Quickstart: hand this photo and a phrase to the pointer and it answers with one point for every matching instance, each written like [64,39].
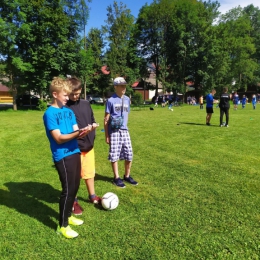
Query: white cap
[119,81]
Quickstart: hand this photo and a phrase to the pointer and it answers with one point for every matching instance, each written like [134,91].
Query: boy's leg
[114,151]
[88,174]
[128,165]
[227,115]
[115,169]
[116,141]
[69,172]
[221,117]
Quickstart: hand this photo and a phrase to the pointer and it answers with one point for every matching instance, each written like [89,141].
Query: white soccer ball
[110,201]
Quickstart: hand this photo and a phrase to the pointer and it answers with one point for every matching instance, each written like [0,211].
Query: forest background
[184,40]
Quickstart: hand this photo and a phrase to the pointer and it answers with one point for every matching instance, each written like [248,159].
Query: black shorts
[209,110]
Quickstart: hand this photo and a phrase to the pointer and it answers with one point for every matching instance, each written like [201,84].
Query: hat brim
[120,84]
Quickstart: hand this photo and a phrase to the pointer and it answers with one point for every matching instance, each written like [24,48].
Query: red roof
[104,70]
[189,83]
[135,84]
[3,88]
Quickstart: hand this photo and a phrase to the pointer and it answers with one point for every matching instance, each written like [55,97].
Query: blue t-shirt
[209,100]
[254,100]
[114,105]
[64,120]
[244,100]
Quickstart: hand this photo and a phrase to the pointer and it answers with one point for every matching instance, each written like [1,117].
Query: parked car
[95,99]
[27,100]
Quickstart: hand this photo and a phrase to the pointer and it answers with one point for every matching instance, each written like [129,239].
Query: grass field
[198,195]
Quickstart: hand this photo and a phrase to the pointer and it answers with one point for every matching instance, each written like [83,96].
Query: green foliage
[186,40]
[198,194]
[99,81]
[137,98]
[120,24]
[42,106]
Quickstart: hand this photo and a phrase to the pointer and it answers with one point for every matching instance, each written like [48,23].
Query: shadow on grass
[28,198]
[191,123]
[99,177]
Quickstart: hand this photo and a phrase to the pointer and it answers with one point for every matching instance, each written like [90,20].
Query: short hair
[225,89]
[75,83]
[58,84]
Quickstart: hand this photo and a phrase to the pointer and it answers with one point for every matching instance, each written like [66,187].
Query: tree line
[184,40]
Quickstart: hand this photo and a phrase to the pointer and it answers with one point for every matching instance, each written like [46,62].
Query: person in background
[235,100]
[201,102]
[254,101]
[209,106]
[224,106]
[244,101]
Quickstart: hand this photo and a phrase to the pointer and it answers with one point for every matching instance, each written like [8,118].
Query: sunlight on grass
[198,195]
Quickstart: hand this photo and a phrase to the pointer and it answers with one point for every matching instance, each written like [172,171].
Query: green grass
[198,195]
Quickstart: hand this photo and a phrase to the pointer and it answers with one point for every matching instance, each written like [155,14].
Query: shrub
[42,106]
[137,98]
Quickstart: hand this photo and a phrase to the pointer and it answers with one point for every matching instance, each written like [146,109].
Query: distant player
[235,100]
[209,105]
[254,101]
[224,106]
[244,101]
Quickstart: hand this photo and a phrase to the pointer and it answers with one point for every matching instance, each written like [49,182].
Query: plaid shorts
[120,146]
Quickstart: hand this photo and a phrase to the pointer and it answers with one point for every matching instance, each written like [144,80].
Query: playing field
[198,195]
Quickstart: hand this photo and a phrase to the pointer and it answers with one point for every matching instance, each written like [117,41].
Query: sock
[92,196]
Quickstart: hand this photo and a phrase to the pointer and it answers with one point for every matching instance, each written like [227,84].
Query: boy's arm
[106,120]
[63,138]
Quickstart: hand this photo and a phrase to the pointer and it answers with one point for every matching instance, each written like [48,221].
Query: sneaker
[130,180]
[77,209]
[220,125]
[66,232]
[119,183]
[75,221]
[95,200]
[226,126]
[207,123]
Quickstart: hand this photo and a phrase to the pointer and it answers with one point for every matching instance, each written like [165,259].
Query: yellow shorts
[88,164]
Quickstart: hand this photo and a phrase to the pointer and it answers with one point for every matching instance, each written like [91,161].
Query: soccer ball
[110,201]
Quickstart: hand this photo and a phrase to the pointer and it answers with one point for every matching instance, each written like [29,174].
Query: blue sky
[98,8]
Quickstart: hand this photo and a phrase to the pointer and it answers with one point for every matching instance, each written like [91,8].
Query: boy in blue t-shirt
[209,105]
[120,147]
[62,131]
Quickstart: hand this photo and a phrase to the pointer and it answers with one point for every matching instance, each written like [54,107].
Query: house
[5,94]
[142,86]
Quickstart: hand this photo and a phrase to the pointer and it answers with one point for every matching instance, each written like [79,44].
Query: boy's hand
[95,125]
[84,131]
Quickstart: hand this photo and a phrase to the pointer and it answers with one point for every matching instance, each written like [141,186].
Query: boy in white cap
[116,132]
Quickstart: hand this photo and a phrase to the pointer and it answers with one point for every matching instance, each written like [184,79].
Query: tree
[40,41]
[236,35]
[100,80]
[120,23]
[254,15]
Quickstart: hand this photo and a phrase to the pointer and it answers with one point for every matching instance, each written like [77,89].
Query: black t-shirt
[224,100]
[84,116]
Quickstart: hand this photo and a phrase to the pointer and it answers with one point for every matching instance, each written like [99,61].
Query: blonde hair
[58,84]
